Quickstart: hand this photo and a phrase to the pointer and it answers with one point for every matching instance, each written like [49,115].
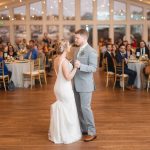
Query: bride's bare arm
[68,74]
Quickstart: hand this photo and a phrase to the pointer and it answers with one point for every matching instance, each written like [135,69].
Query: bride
[64,122]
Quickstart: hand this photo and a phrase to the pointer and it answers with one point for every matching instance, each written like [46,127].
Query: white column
[95,38]
[111,30]
[28,32]
[128,23]
[60,19]
[145,26]
[44,16]
[11,30]
[77,9]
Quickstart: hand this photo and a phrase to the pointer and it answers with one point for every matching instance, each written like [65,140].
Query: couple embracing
[71,115]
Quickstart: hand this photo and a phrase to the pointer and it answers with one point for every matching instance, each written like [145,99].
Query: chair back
[2,68]
[105,65]
[119,67]
[36,64]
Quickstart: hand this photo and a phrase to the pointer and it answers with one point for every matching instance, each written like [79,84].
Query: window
[136,12]
[149,35]
[4,33]
[119,33]
[53,31]
[36,32]
[103,10]
[136,32]
[20,32]
[19,13]
[36,11]
[119,10]
[52,9]
[86,9]
[89,28]
[103,32]
[69,32]
[148,14]
[4,15]
[69,9]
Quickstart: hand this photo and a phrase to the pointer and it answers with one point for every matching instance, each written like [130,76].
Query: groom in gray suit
[86,60]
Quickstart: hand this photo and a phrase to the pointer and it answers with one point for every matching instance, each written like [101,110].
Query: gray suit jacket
[83,79]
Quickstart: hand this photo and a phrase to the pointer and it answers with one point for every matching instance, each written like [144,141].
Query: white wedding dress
[64,122]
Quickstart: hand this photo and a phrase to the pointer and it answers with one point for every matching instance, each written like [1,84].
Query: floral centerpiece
[21,53]
[10,59]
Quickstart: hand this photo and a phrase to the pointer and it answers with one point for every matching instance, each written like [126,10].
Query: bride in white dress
[64,122]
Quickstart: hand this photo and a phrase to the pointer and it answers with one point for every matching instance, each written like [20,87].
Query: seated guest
[11,51]
[41,55]
[125,43]
[109,55]
[1,47]
[142,50]
[6,72]
[33,52]
[114,49]
[5,52]
[121,55]
[128,51]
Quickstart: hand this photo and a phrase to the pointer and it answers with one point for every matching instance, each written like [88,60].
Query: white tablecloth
[17,68]
[140,78]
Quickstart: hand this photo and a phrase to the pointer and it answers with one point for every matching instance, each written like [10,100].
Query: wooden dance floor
[122,119]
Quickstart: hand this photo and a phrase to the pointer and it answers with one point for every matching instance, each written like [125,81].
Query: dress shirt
[143,51]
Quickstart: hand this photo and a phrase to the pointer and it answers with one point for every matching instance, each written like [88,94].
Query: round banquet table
[138,67]
[18,68]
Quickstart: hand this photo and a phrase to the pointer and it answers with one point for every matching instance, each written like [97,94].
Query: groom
[86,60]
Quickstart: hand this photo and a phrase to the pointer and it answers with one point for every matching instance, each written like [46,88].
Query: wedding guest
[142,50]
[129,51]
[110,56]
[11,51]
[6,72]
[120,56]
[32,53]
[114,49]
[5,52]
[41,55]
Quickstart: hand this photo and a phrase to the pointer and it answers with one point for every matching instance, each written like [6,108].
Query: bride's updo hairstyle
[62,46]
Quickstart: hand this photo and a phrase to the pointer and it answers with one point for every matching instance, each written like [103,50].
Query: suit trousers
[86,118]
[132,75]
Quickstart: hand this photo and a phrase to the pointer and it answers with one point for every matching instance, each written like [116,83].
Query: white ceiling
[4,3]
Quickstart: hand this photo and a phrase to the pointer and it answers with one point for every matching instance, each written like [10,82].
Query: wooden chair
[119,73]
[109,75]
[43,70]
[3,77]
[148,82]
[52,55]
[148,79]
[33,73]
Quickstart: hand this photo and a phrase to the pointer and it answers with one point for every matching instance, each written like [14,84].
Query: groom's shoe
[89,138]
[84,133]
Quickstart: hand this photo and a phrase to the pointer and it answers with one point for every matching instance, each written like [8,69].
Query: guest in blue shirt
[6,72]
[33,52]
